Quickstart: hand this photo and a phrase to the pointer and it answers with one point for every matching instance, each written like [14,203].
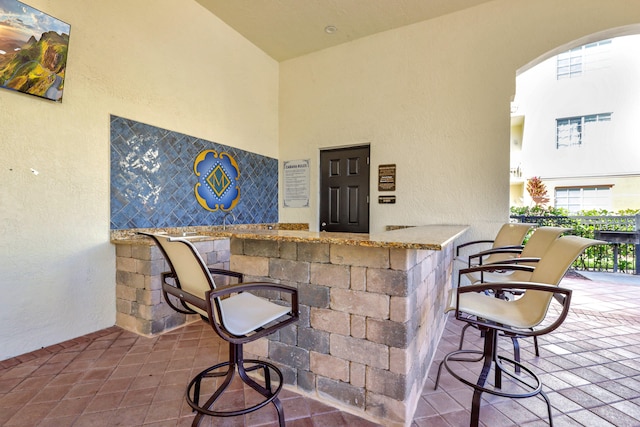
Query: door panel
[334,205]
[344,190]
[352,164]
[353,205]
[334,167]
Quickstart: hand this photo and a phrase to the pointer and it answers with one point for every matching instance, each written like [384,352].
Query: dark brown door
[344,190]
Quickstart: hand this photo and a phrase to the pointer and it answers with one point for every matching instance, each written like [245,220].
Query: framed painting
[33,51]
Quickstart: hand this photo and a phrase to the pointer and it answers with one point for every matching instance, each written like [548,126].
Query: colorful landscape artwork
[33,51]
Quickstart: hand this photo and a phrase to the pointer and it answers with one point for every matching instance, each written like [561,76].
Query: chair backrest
[187,264]
[550,271]
[511,234]
[540,241]
[536,247]
[508,235]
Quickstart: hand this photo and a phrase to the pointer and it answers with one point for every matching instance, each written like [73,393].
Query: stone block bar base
[371,319]
[372,306]
[140,307]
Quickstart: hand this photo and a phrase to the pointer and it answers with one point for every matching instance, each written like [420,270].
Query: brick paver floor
[590,368]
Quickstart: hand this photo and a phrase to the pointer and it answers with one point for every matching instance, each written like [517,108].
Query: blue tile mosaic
[152,180]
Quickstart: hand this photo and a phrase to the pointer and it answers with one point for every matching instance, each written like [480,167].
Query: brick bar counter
[372,312]
[372,308]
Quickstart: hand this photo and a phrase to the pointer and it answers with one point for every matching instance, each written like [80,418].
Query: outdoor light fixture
[330,29]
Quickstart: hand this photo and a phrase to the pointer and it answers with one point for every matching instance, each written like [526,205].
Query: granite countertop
[431,237]
[130,236]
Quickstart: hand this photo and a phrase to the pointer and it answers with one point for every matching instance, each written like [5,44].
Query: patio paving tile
[590,368]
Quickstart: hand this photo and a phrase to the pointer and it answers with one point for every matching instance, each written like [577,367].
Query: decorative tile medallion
[217,186]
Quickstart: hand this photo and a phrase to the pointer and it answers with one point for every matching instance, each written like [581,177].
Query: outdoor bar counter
[372,306]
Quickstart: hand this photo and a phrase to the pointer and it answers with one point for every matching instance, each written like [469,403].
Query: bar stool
[235,314]
[525,316]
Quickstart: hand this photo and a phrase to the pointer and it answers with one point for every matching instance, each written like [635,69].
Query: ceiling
[285,29]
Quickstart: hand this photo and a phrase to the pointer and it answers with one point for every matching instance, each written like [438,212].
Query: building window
[576,199]
[579,60]
[574,131]
[570,63]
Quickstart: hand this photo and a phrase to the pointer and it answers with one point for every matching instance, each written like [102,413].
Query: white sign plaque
[296,183]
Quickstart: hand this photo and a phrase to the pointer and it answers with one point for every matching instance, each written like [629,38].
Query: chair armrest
[473,242]
[183,296]
[217,322]
[516,260]
[212,295]
[493,267]
[185,309]
[563,295]
[250,286]
[222,272]
[514,249]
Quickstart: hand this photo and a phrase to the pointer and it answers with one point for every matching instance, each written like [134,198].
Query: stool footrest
[491,361]
[193,392]
[535,387]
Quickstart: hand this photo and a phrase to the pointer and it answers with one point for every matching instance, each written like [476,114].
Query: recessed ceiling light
[330,29]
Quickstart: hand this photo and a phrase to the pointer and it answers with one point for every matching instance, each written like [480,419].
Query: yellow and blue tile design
[217,187]
[154,180]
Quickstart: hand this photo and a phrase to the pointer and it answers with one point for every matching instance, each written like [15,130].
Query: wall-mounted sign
[387,178]
[217,187]
[296,183]
[387,200]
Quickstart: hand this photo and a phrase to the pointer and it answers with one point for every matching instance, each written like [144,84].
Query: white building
[575,125]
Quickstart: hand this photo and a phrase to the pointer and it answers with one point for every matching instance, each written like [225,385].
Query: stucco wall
[155,61]
[433,98]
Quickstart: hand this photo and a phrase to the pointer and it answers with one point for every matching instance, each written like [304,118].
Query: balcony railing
[620,255]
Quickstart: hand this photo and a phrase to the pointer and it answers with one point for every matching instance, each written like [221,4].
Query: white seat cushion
[244,313]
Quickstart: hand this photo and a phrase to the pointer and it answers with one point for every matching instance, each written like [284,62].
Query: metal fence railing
[621,232]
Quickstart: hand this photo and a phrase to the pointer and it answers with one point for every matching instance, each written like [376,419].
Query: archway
[573,121]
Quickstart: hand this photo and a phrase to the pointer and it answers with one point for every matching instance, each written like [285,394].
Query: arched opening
[573,124]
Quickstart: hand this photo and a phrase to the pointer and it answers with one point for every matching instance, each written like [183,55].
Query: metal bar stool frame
[490,357]
[215,306]
[524,316]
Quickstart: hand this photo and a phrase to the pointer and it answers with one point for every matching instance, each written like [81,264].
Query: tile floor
[590,368]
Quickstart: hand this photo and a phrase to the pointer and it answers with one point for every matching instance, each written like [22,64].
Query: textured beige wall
[166,63]
[433,98]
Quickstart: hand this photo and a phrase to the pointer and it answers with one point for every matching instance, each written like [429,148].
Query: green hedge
[596,258]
